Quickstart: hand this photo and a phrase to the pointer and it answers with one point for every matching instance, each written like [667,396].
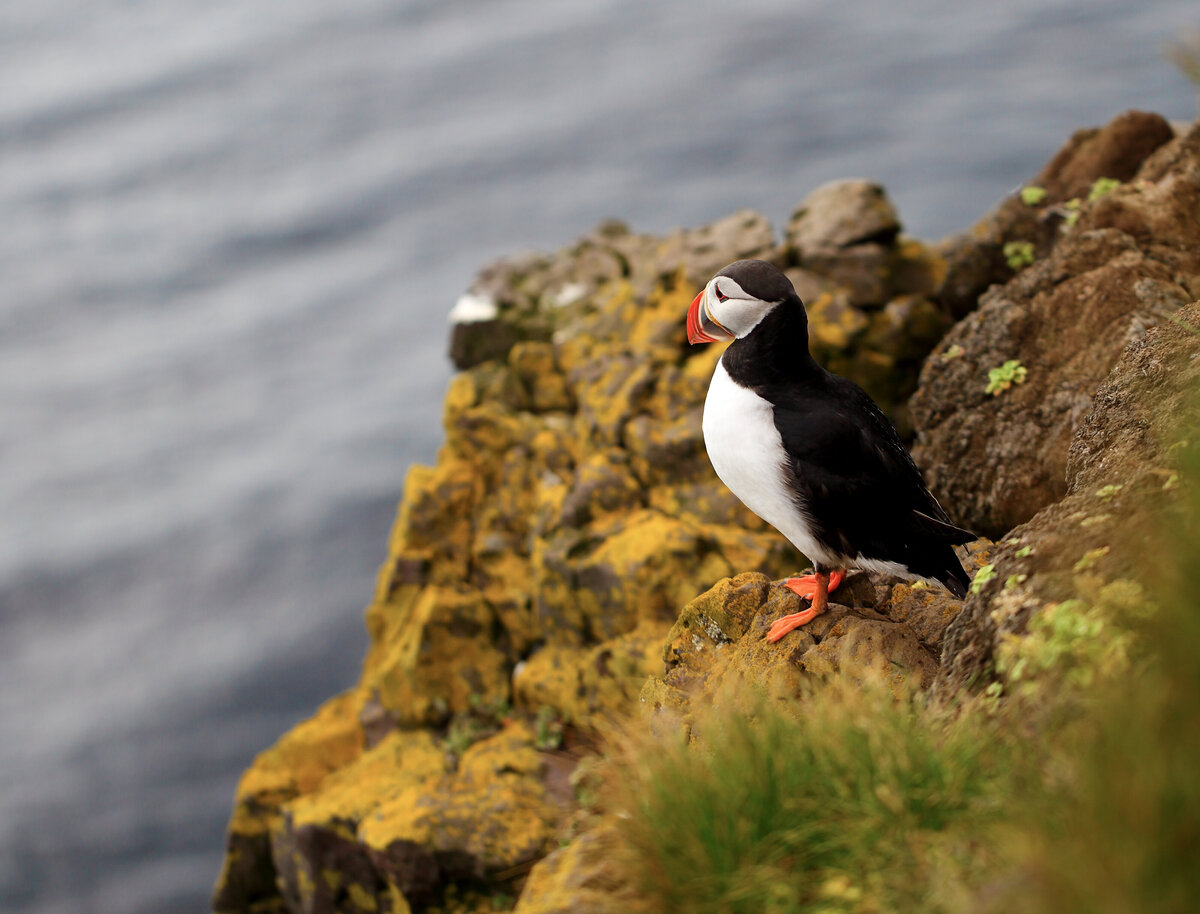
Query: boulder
[1006,391]
[296,766]
[873,623]
[842,214]
[1087,546]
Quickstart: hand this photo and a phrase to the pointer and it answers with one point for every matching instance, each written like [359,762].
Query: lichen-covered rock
[1001,400]
[294,767]
[580,878]
[441,658]
[872,623]
[699,253]
[392,828]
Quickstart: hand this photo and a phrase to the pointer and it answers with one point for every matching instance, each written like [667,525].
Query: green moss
[548,728]
[1113,824]
[1091,557]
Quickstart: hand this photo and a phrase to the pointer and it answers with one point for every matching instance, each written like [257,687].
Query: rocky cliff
[571,560]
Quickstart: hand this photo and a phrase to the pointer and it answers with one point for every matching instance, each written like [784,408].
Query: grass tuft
[849,801]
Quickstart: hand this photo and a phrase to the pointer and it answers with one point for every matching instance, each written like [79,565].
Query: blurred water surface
[231,233]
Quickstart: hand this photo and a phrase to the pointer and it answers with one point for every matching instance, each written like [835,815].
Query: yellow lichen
[403,760]
[362,899]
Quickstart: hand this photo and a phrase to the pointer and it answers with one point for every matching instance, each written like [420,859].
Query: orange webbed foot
[781,627]
[806,585]
[814,587]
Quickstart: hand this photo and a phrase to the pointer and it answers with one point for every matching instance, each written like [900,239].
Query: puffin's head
[736,300]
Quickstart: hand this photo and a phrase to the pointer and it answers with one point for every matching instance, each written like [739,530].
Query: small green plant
[982,576]
[1072,207]
[1023,552]
[1101,187]
[1015,580]
[548,728]
[463,731]
[481,720]
[1002,378]
[1018,254]
[1108,491]
[952,353]
[1090,558]
[1032,195]
[1061,642]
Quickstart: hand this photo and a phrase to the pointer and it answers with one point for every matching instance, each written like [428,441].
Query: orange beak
[694,331]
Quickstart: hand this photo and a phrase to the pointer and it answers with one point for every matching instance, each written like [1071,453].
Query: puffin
[809,451]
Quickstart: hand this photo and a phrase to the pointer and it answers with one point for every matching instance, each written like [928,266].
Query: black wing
[861,487]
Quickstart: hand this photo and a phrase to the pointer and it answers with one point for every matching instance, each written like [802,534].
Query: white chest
[747,452]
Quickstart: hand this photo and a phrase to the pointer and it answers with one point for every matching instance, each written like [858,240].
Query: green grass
[1074,788]
[855,802]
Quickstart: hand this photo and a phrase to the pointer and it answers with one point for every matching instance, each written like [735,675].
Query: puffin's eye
[721,296]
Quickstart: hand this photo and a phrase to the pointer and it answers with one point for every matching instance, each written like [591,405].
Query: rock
[543,386]
[473,342]
[294,767]
[579,878]
[975,259]
[595,586]
[996,458]
[597,684]
[1142,407]
[699,253]
[1119,476]
[719,639]
[438,657]
[840,214]
[862,270]
[1116,151]
[392,828]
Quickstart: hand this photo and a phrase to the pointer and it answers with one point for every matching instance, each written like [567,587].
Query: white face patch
[734,308]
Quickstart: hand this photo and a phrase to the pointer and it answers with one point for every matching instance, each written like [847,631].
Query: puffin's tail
[950,571]
[943,531]
[955,579]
